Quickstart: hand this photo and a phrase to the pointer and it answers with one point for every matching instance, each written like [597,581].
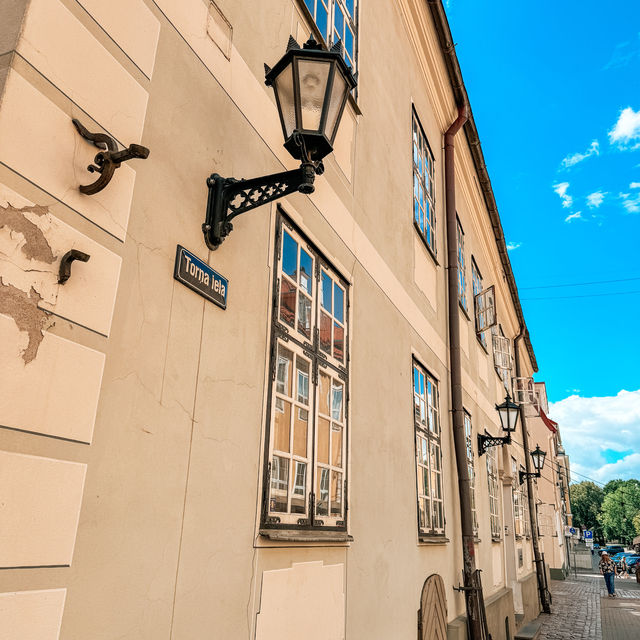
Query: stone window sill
[289,535]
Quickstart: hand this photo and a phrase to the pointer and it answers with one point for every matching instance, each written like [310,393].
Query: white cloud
[594,200]
[591,426]
[574,158]
[561,190]
[629,202]
[626,131]
[512,246]
[574,216]
[634,185]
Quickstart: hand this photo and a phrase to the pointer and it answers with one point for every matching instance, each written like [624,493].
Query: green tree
[636,523]
[620,508]
[586,502]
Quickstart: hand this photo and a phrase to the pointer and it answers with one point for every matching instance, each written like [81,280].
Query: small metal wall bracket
[65,264]
[487,441]
[108,159]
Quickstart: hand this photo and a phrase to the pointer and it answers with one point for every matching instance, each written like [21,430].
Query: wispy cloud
[561,190]
[592,426]
[634,185]
[595,199]
[630,202]
[575,158]
[512,246]
[623,54]
[626,131]
[574,216]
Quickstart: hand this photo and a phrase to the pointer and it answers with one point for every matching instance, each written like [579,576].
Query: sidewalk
[581,610]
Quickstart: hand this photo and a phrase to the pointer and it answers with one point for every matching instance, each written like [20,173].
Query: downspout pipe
[535,543]
[474,622]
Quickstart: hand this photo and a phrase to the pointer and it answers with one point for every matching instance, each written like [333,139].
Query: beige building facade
[283,466]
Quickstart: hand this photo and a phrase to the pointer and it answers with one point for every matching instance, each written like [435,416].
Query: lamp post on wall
[508,412]
[311,86]
[538,456]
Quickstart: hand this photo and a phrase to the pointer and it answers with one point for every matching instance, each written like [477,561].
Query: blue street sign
[588,535]
[199,276]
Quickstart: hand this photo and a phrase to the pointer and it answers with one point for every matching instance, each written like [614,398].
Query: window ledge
[426,539]
[476,540]
[466,313]
[496,539]
[425,243]
[485,348]
[290,535]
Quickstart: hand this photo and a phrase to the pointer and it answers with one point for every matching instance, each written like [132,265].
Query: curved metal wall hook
[65,264]
[109,158]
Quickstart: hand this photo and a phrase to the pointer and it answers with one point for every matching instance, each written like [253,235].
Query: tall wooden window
[428,452]
[468,433]
[424,213]
[494,492]
[462,274]
[306,456]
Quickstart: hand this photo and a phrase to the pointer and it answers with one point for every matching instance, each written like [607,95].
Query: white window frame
[300,372]
[429,475]
[518,507]
[494,493]
[462,274]
[349,25]
[424,194]
[468,434]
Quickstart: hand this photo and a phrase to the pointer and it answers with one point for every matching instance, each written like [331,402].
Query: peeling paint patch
[36,246]
[24,310]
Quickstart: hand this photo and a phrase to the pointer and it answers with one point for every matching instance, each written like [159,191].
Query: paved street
[582,610]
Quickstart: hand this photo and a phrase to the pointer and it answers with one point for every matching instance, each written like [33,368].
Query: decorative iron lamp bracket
[523,475]
[487,441]
[228,197]
[108,159]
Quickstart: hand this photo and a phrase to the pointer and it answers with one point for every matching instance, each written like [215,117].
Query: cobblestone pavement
[578,604]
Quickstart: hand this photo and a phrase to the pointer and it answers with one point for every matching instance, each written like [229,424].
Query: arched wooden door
[432,616]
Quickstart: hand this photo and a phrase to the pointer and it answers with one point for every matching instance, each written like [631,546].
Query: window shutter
[502,352]
[485,303]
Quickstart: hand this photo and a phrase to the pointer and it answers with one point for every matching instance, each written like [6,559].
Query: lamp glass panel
[513,417]
[283,85]
[336,100]
[538,458]
[313,76]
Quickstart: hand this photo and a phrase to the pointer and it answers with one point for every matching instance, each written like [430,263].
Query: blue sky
[555,92]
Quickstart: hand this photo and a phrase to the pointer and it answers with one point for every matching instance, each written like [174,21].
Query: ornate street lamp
[311,86]
[538,456]
[508,412]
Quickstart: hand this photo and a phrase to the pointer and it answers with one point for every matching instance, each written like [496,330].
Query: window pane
[300,426]
[336,493]
[284,368]
[338,20]
[289,256]
[322,493]
[310,5]
[282,426]
[323,393]
[326,292]
[304,316]
[323,440]
[299,491]
[422,503]
[303,380]
[336,402]
[279,484]
[338,342]
[287,302]
[336,446]
[321,20]
[338,301]
[325,332]
[306,272]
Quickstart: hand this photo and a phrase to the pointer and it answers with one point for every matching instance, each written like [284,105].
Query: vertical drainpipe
[475,625]
[542,592]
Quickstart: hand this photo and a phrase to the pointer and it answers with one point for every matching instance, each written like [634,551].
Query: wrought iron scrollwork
[229,197]
[487,441]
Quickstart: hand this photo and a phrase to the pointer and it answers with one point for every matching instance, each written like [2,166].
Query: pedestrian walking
[623,567]
[608,570]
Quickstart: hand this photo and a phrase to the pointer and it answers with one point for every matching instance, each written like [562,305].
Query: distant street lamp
[538,456]
[311,86]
